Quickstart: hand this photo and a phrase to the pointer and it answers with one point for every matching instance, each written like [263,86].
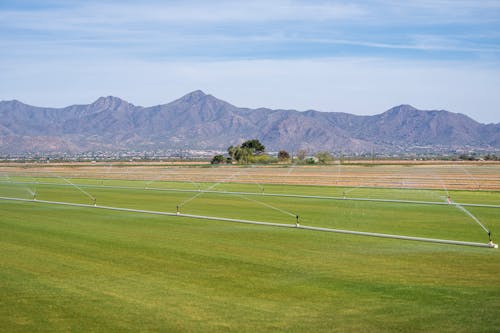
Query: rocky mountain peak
[194,97]
[403,108]
[202,121]
[13,103]
[111,103]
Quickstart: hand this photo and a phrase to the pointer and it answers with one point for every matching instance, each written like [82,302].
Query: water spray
[261,187]
[208,189]
[34,186]
[268,206]
[464,210]
[80,189]
[152,181]
[471,177]
[475,219]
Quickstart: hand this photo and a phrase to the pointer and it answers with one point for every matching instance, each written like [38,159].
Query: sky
[360,57]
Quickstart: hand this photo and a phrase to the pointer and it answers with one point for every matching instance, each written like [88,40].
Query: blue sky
[361,57]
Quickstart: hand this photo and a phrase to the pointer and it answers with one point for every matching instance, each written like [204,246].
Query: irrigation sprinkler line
[353,188]
[153,180]
[402,237]
[464,210]
[209,189]
[267,205]
[439,203]
[249,199]
[263,223]
[6,176]
[81,190]
[33,193]
[22,185]
[261,187]
[475,219]
[195,184]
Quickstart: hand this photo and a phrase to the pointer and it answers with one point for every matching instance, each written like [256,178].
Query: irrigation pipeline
[262,223]
[439,203]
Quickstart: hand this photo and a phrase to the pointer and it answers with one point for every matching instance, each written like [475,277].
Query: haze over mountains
[201,121]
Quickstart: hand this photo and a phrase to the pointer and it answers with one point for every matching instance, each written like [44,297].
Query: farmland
[90,268]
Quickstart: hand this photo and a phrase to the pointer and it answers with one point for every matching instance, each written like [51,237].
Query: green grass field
[86,269]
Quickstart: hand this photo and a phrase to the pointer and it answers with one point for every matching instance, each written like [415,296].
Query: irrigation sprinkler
[209,189]
[236,194]
[195,184]
[78,188]
[259,185]
[152,181]
[269,194]
[8,178]
[34,186]
[475,219]
[267,205]
[270,224]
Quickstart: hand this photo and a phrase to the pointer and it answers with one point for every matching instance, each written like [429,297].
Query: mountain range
[201,121]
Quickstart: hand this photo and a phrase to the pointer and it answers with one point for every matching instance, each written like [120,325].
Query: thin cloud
[356,56]
[147,25]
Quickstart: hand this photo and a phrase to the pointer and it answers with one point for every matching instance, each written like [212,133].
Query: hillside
[201,121]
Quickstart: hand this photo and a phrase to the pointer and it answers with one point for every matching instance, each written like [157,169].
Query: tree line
[253,152]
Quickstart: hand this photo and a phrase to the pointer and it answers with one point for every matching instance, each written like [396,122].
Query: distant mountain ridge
[201,121]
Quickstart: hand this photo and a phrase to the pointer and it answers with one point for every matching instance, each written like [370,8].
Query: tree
[283,156]
[232,151]
[254,145]
[247,152]
[324,157]
[217,159]
[243,155]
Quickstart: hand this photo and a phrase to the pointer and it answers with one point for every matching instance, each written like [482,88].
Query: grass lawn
[85,269]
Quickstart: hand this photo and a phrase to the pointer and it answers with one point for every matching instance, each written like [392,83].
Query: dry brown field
[390,174]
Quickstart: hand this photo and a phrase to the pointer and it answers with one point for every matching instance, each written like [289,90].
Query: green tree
[232,151]
[254,145]
[283,156]
[243,155]
[217,159]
